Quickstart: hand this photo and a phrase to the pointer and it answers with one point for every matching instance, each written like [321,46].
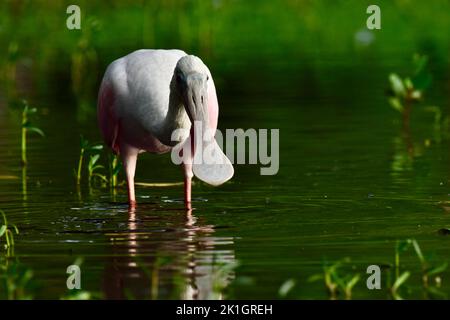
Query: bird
[150,101]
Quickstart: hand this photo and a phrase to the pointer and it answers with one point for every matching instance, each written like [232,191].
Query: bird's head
[210,164]
[192,77]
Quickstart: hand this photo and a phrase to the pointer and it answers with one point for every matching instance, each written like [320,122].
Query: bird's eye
[207,78]
[179,77]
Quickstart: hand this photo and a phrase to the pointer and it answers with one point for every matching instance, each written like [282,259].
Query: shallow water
[348,186]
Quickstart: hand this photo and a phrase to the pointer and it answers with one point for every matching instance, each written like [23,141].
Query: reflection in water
[405,151]
[24,183]
[183,260]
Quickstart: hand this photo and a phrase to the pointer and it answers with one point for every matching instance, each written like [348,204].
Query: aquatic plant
[94,167]
[286,288]
[404,92]
[152,273]
[7,231]
[16,281]
[399,281]
[85,147]
[222,273]
[428,270]
[407,90]
[335,280]
[441,123]
[114,169]
[26,127]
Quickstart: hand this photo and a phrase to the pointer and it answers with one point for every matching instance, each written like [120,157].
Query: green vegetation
[7,232]
[27,127]
[94,168]
[428,270]
[336,281]
[221,32]
[340,279]
[310,68]
[16,280]
[86,147]
[114,169]
[406,91]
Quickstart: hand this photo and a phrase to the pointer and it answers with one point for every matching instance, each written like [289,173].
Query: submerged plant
[7,231]
[85,147]
[26,127]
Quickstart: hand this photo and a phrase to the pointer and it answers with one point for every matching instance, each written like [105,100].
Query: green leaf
[101,176]
[96,147]
[36,130]
[408,84]
[418,251]
[2,230]
[353,281]
[4,217]
[397,85]
[396,104]
[400,280]
[286,287]
[93,160]
[315,277]
[439,269]
[436,293]
[83,142]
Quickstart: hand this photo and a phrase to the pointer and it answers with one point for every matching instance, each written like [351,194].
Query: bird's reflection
[168,254]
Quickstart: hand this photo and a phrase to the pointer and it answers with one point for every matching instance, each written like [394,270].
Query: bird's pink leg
[188,174]
[129,156]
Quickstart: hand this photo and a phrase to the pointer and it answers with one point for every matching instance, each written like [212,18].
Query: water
[348,186]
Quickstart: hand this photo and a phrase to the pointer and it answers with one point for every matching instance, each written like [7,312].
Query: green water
[347,187]
[351,181]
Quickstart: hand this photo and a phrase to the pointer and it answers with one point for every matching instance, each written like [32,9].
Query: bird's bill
[214,167]
[209,164]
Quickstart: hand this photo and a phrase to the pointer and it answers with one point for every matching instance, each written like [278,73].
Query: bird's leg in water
[129,156]
[188,174]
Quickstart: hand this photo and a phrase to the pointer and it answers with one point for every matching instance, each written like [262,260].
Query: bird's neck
[176,117]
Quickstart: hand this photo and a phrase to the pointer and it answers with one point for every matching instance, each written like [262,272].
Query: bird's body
[146,96]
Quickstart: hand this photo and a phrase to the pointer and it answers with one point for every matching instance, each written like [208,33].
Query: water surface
[350,184]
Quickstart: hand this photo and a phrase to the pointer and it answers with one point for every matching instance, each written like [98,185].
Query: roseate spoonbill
[148,94]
